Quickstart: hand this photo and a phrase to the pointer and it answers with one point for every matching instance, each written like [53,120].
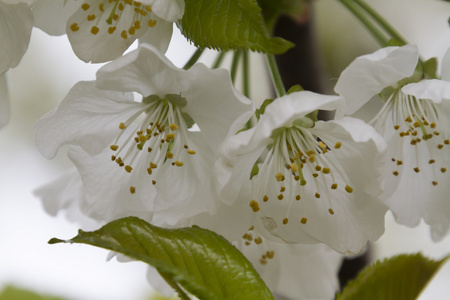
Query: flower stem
[355,10]
[245,74]
[234,65]
[194,58]
[218,60]
[275,74]
[381,21]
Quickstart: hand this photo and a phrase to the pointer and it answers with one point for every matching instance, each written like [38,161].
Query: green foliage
[271,9]
[399,278]
[430,68]
[229,24]
[260,111]
[201,261]
[15,293]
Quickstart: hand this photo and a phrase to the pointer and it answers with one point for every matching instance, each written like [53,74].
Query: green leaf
[229,24]
[260,111]
[402,277]
[430,68]
[201,261]
[14,293]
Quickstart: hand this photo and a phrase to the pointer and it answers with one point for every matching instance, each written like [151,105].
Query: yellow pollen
[338,145]
[85,6]
[153,182]
[317,195]
[297,197]
[149,149]
[279,177]
[178,163]
[395,173]
[265,198]
[443,170]
[416,169]
[132,30]
[149,171]
[334,186]
[440,146]
[170,136]
[433,125]
[399,162]
[114,147]
[113,157]
[191,152]
[90,17]
[74,27]
[280,197]
[315,175]
[263,261]
[318,168]
[137,24]
[124,35]
[142,138]
[431,161]
[132,189]
[254,205]
[151,23]
[148,8]
[326,170]
[173,126]
[122,126]
[408,119]
[446,142]
[282,189]
[101,8]
[153,165]
[331,211]
[312,158]
[348,188]
[115,17]
[169,155]
[396,127]
[285,221]
[294,167]
[121,7]
[322,145]
[111,29]
[258,240]
[304,220]
[128,168]
[435,183]
[270,254]
[416,124]
[297,178]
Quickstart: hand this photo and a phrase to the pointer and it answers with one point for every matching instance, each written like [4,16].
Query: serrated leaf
[229,24]
[201,261]
[399,278]
[15,293]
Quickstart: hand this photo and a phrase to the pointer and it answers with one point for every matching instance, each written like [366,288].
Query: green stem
[218,60]
[377,34]
[181,293]
[234,65]
[193,59]
[382,22]
[275,74]
[245,74]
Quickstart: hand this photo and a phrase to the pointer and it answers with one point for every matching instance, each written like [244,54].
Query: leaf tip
[56,241]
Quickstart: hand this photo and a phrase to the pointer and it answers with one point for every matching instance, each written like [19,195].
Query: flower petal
[16,22]
[4,101]
[169,10]
[87,116]
[445,66]
[435,90]
[51,16]
[369,74]
[159,38]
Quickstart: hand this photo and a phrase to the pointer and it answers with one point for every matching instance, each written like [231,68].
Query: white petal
[295,271]
[445,66]
[435,90]
[107,187]
[369,74]
[169,10]
[145,71]
[51,16]
[4,101]
[159,38]
[87,116]
[16,22]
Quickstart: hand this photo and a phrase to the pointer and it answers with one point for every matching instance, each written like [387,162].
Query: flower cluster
[180,147]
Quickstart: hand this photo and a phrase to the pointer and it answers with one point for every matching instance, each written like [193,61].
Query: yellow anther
[304,220]
[74,27]
[282,189]
[263,261]
[170,136]
[169,155]
[115,17]
[270,254]
[312,157]
[399,162]
[178,163]
[191,151]
[111,29]
[443,170]
[334,186]
[101,7]
[132,189]
[338,145]
[435,183]
[331,211]
[137,3]
[124,35]
[416,124]
[279,177]
[395,173]
[148,8]
[317,195]
[280,197]
[298,197]
[149,171]
[297,178]
[254,205]
[132,30]
[153,165]
[326,170]
[114,147]
[431,161]
[142,138]
[128,2]
[396,127]
[122,126]
[416,169]
[137,24]
[315,175]
[128,168]
[285,221]
[440,146]
[120,7]
[318,168]
[348,189]
[153,182]
[265,198]
[85,6]
[322,145]
[433,125]
[408,119]
[446,142]
[294,167]
[258,240]
[151,23]
[113,157]
[90,17]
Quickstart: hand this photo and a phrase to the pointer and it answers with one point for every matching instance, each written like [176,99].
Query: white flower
[414,121]
[293,271]
[16,22]
[318,181]
[101,30]
[149,142]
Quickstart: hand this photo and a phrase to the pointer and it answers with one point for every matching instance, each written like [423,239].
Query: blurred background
[47,72]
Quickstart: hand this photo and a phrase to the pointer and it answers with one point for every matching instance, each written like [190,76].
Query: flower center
[417,126]
[126,15]
[298,166]
[161,134]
